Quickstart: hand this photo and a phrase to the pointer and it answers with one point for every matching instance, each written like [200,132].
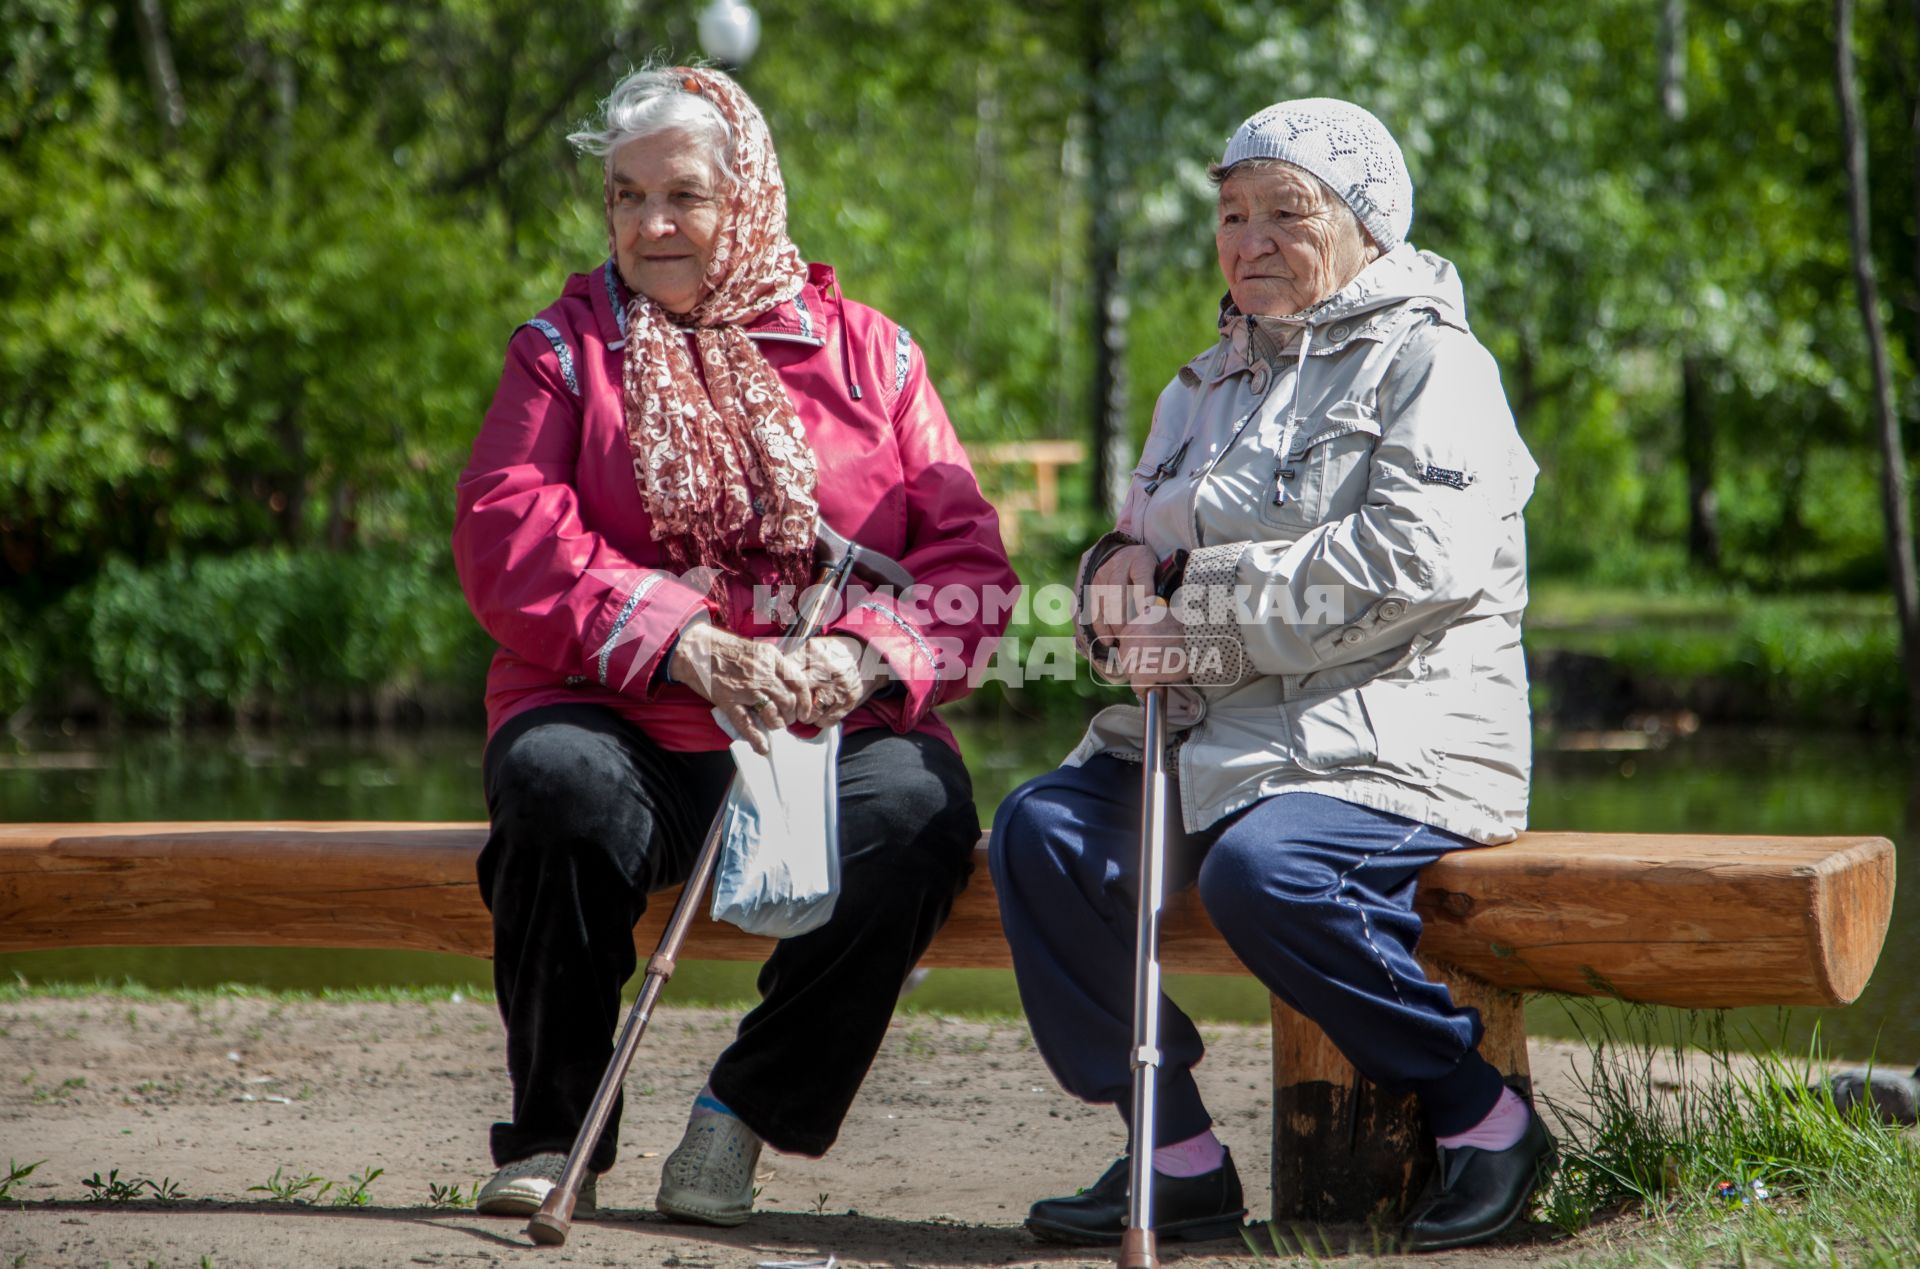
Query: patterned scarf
[708,456]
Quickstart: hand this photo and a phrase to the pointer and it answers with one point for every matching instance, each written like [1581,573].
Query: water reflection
[1745,782]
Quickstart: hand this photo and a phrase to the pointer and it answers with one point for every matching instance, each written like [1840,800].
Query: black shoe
[1474,1193]
[1184,1208]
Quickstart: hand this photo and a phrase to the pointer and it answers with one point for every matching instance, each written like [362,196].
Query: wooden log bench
[1693,921]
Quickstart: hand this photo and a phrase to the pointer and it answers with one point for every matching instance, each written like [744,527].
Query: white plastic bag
[779,869]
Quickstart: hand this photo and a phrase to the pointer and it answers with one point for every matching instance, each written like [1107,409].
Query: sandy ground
[958,1129]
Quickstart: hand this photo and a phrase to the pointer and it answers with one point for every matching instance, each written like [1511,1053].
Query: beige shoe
[520,1187]
[708,1178]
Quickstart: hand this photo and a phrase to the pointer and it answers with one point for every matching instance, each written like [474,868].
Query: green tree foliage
[270,332]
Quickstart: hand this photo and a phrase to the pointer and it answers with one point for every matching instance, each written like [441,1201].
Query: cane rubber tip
[1137,1250]
[547,1231]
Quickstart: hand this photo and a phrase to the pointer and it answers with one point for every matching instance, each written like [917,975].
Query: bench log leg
[1343,1150]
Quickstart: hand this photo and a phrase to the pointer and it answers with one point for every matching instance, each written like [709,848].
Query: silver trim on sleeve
[613,302]
[647,583]
[901,622]
[902,346]
[560,350]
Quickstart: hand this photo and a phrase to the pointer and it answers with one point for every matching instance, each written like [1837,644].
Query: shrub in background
[274,631]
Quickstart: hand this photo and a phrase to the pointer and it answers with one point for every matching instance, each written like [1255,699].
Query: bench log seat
[1689,920]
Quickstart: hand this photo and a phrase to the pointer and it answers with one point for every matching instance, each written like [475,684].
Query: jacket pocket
[1379,727]
[1331,733]
[1404,715]
[1325,475]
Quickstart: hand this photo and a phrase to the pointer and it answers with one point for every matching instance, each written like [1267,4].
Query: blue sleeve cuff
[662,675]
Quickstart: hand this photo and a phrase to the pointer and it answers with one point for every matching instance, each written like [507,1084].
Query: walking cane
[839,558]
[1138,1249]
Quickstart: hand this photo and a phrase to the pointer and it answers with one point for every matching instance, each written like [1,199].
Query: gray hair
[1219,172]
[654,99]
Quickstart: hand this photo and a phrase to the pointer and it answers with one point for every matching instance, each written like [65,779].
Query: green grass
[16,1173]
[1830,657]
[1566,612]
[1667,1112]
[1562,604]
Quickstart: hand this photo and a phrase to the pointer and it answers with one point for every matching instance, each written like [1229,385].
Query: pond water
[1746,782]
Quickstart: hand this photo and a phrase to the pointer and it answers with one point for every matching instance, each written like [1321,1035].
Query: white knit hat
[1344,146]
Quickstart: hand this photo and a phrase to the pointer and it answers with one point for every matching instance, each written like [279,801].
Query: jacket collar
[801,320]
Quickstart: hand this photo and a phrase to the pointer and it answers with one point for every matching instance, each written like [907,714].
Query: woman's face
[666,214]
[1285,241]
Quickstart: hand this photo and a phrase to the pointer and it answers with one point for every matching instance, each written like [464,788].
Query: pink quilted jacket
[552,544]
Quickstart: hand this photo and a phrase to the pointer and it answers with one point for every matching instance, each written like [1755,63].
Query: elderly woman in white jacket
[1340,479]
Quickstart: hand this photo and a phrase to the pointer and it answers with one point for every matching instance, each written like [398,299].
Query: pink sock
[1196,1156]
[1502,1129]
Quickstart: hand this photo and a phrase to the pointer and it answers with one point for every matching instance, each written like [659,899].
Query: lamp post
[729,32]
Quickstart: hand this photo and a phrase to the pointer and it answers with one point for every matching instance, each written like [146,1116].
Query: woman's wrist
[686,651]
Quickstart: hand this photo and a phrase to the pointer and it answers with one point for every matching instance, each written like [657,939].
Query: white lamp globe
[729,31]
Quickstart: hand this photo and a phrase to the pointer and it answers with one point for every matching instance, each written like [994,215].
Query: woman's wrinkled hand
[832,665]
[1153,649]
[754,686]
[1120,591]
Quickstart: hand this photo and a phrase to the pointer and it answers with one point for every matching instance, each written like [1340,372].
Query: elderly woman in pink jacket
[665,437]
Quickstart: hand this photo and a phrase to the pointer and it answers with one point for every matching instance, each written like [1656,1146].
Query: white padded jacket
[1349,484]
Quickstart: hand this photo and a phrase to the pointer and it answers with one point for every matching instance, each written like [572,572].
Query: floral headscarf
[708,456]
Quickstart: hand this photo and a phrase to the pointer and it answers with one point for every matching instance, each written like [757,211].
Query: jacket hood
[1404,275]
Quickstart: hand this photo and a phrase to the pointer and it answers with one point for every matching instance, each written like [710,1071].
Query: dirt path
[958,1128]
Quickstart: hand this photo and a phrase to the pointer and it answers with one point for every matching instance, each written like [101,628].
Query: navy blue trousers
[1313,894]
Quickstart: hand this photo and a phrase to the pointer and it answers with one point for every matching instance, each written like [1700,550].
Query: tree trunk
[1913,153]
[983,237]
[343,524]
[1789,525]
[1063,293]
[1696,441]
[1673,59]
[286,100]
[1893,464]
[289,501]
[1696,421]
[1107,404]
[1346,1151]
[150,23]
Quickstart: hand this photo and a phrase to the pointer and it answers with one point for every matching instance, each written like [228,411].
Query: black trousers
[589,817]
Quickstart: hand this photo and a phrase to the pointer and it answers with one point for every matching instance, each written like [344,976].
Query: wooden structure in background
[1697,921]
[1046,458]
